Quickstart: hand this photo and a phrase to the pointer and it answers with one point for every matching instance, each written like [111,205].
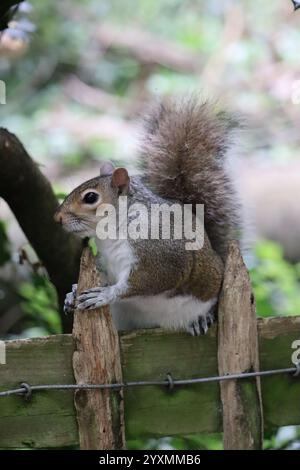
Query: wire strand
[27,389]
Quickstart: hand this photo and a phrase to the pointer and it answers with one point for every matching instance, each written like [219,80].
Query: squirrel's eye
[90,198]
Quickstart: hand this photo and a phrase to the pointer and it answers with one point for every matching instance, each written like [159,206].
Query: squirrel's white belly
[159,310]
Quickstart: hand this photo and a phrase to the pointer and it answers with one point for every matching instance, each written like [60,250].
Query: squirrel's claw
[87,300]
[201,325]
[69,304]
[94,298]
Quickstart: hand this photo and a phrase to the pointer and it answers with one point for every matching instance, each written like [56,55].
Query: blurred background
[78,76]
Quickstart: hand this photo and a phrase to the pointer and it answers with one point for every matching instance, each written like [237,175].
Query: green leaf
[93,247]
[4,244]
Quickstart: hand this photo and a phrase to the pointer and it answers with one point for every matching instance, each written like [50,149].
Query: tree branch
[148,49]
[30,196]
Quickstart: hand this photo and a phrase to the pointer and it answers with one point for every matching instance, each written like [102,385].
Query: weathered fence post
[238,353]
[96,359]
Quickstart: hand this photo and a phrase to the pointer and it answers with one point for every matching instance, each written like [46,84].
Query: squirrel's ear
[120,179]
[106,169]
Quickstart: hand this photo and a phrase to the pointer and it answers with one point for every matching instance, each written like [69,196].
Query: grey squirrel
[158,282]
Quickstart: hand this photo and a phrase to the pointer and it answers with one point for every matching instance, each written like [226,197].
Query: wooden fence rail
[50,418]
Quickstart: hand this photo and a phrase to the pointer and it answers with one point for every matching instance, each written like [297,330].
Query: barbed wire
[26,389]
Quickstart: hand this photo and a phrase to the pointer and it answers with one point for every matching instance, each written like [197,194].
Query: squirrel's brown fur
[184,150]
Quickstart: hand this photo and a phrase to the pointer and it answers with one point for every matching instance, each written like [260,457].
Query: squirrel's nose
[58,217]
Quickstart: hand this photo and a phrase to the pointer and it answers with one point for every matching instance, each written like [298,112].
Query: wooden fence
[95,353]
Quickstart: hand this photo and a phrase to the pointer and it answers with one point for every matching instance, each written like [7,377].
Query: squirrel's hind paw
[200,326]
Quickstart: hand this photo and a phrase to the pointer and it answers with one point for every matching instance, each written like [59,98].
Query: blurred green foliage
[275,281]
[4,244]
[287,438]
[65,44]
[40,304]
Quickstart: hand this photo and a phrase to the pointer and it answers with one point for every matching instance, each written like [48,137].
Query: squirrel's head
[78,212]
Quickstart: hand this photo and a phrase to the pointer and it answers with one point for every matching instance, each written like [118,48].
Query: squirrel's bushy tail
[184,151]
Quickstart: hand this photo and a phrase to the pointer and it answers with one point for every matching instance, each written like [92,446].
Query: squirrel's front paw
[95,298]
[69,304]
[200,326]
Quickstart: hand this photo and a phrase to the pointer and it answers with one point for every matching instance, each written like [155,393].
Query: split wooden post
[238,353]
[96,359]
